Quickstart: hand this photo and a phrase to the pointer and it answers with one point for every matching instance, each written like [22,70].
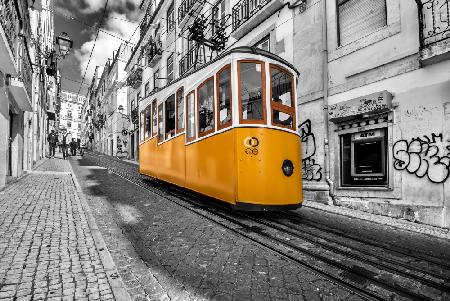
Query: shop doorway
[10,139]
[132,146]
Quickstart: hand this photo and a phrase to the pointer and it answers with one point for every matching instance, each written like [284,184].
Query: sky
[80,19]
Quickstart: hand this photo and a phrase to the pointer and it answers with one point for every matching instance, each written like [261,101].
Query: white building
[71,114]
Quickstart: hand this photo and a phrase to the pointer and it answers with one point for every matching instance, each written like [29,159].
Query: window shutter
[358,18]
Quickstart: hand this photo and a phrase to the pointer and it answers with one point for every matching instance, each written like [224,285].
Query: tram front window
[251,91]
[282,94]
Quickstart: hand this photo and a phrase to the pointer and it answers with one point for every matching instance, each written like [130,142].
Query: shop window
[147,123]
[141,126]
[251,92]
[264,44]
[190,112]
[363,158]
[205,98]
[358,18]
[224,97]
[282,96]
[154,118]
[170,116]
[180,110]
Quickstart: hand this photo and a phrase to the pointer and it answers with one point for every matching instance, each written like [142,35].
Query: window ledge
[370,39]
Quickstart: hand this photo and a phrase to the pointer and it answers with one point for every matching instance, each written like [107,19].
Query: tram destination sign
[370,104]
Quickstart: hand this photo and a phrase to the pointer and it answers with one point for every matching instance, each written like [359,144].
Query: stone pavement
[47,247]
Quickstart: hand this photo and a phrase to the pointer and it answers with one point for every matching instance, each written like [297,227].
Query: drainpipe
[327,164]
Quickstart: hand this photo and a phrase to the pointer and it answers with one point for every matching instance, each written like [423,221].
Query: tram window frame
[221,125]
[141,126]
[276,106]
[169,133]
[161,123]
[193,125]
[212,130]
[179,128]
[154,118]
[147,127]
[263,96]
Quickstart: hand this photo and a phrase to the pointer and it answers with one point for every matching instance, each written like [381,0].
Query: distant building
[70,115]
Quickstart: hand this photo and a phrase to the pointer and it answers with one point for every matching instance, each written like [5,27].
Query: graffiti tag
[310,169]
[423,157]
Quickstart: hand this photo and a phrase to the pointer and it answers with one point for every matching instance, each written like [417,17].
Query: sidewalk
[49,248]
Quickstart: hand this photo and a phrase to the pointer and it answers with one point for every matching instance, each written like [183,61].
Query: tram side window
[190,112]
[141,131]
[161,122]
[282,93]
[224,96]
[154,119]
[251,77]
[147,123]
[170,116]
[180,110]
[205,100]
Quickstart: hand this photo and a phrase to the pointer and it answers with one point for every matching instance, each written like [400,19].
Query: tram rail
[348,263]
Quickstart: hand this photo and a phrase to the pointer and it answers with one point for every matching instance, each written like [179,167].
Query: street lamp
[64,44]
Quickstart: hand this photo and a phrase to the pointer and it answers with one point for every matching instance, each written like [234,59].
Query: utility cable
[95,42]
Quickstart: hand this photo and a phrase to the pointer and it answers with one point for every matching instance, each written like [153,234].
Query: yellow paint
[238,165]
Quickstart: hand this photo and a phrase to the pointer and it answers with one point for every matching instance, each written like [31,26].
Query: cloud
[105,44]
[127,7]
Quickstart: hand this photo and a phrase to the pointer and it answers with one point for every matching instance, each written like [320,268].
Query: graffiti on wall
[424,156]
[310,169]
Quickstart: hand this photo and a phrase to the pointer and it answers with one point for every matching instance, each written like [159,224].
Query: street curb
[114,279]
[382,219]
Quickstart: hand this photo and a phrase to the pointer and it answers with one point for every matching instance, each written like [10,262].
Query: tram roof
[242,49]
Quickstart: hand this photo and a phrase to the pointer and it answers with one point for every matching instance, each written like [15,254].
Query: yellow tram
[228,130]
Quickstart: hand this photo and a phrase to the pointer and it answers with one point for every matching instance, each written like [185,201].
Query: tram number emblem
[251,144]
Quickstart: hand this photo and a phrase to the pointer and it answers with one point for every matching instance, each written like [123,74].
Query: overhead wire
[95,42]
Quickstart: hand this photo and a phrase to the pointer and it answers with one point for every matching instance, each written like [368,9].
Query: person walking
[64,145]
[52,141]
[73,147]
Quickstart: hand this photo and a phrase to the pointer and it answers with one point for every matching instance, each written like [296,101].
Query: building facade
[27,93]
[109,106]
[373,93]
[71,114]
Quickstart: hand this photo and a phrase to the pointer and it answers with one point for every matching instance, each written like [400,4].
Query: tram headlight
[288,168]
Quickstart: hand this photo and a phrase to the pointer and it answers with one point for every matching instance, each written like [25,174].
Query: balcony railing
[153,51]
[185,8]
[435,20]
[9,19]
[135,78]
[190,60]
[245,9]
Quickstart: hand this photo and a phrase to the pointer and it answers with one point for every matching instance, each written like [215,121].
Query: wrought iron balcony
[10,25]
[185,8]
[247,14]
[190,60]
[135,78]
[153,51]
[434,18]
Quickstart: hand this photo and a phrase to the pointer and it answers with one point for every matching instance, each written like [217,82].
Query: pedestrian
[52,141]
[64,145]
[73,147]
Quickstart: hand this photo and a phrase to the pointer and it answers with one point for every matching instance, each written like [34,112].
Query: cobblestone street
[47,248]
